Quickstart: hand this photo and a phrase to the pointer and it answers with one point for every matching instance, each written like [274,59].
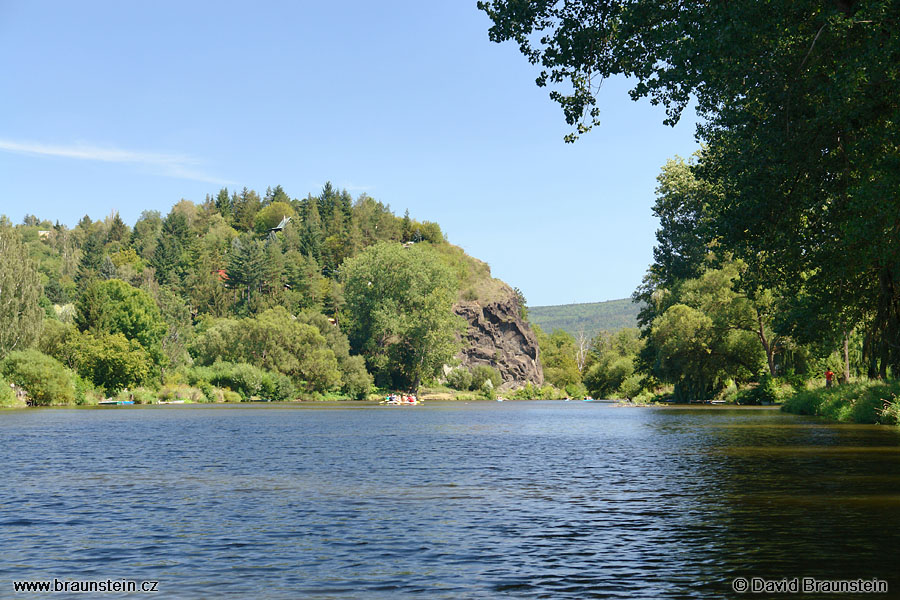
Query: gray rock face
[498,337]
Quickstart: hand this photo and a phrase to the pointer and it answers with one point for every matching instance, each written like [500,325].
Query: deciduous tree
[399,310]
[20,291]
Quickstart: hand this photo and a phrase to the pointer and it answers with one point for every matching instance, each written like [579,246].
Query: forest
[778,254]
[239,297]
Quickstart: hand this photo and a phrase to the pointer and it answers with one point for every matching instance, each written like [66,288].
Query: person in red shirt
[829,375]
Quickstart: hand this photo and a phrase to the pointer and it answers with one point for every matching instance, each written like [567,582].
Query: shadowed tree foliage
[799,102]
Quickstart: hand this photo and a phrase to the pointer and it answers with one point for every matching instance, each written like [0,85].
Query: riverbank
[869,402]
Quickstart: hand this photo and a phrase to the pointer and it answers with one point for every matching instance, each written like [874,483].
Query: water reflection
[445,501]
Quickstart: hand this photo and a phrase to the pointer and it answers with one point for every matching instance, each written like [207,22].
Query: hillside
[244,288]
[591,317]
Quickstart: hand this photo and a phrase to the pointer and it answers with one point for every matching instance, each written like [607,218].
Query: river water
[478,500]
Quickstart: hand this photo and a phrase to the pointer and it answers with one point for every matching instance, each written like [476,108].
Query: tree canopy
[798,103]
[399,304]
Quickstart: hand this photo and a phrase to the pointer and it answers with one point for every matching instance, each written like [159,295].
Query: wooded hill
[590,318]
[260,296]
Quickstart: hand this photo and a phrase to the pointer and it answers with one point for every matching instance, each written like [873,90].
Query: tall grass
[863,402]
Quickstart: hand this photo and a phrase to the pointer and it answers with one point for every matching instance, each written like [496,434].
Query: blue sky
[131,106]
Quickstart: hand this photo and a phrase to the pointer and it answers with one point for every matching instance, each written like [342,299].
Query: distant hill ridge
[591,317]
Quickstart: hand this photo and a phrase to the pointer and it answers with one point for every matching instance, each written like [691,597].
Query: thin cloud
[169,165]
[350,187]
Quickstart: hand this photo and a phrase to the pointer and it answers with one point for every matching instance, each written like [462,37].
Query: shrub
[460,378]
[46,380]
[482,373]
[357,381]
[487,390]
[243,378]
[143,395]
[890,412]
[209,392]
[631,386]
[576,390]
[645,397]
[867,402]
[526,392]
[728,394]
[187,393]
[86,393]
[8,398]
[276,386]
[229,396]
[111,361]
[768,391]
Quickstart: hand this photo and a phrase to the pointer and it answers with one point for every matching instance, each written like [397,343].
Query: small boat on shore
[401,400]
[115,402]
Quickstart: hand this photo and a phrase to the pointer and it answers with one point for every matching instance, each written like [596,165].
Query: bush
[209,392]
[86,393]
[8,397]
[576,390]
[867,402]
[532,392]
[482,373]
[890,413]
[357,381]
[729,394]
[645,397]
[46,380]
[276,386]
[245,379]
[460,378]
[111,361]
[143,395]
[765,392]
[631,386]
[170,393]
[229,396]
[487,390]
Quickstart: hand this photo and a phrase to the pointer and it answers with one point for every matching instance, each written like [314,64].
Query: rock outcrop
[497,336]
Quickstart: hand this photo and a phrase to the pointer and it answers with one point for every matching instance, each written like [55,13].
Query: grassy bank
[864,402]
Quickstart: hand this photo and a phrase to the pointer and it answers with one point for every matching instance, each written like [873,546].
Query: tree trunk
[846,378]
[767,346]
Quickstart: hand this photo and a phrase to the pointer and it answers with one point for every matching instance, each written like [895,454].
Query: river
[453,500]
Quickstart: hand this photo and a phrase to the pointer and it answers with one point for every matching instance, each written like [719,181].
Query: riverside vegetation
[241,297]
[778,255]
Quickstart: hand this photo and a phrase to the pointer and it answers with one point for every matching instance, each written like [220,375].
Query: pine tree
[224,204]
[247,265]
[91,259]
[118,230]
[108,268]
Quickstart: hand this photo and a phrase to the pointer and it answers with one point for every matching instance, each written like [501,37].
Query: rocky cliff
[497,336]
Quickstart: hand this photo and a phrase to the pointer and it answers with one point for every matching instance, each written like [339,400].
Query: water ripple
[521,500]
